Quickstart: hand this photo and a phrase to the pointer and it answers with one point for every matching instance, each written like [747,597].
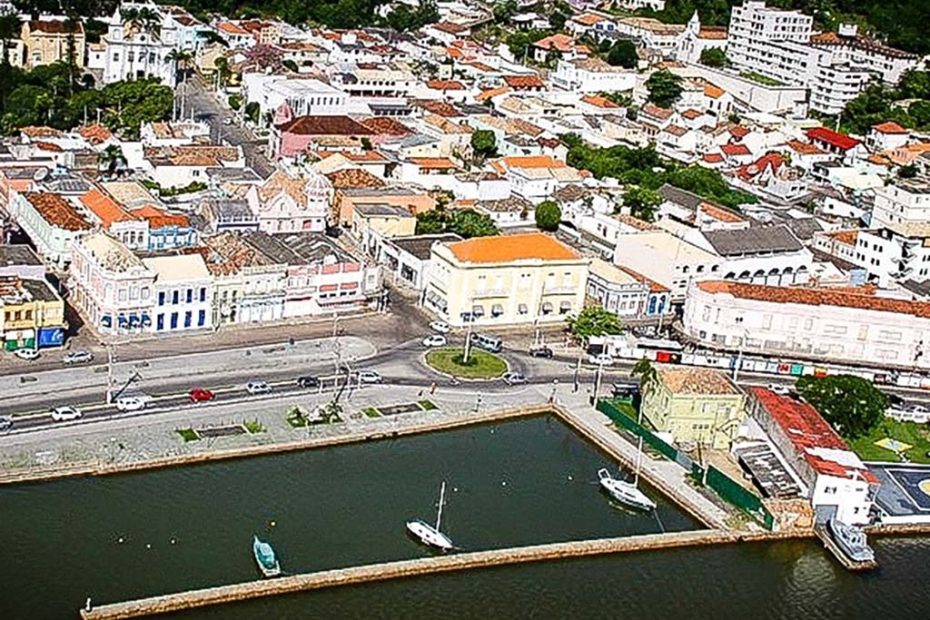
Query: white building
[666,259]
[753,26]
[616,290]
[906,201]
[183,293]
[111,287]
[291,201]
[833,474]
[135,50]
[818,323]
[896,252]
[304,97]
[592,75]
[759,254]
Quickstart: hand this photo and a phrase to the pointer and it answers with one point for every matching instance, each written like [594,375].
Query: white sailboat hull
[624,492]
[429,535]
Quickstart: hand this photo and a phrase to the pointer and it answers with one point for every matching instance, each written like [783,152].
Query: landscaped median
[891,439]
[480,365]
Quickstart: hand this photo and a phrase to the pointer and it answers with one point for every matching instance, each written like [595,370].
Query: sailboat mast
[442,497]
[639,461]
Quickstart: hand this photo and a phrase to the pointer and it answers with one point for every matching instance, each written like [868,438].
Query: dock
[410,568]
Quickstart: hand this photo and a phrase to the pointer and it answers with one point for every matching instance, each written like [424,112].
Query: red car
[199,395]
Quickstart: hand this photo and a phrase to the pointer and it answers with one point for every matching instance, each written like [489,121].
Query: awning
[522,309]
[565,305]
[122,320]
[546,307]
[497,310]
[477,310]
[146,320]
[106,320]
[134,320]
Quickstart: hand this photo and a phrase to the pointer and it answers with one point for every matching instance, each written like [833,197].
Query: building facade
[32,314]
[511,279]
[136,50]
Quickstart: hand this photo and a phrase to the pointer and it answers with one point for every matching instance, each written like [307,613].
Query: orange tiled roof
[651,109]
[713,158]
[508,248]
[848,237]
[445,85]
[491,93]
[720,214]
[41,131]
[600,102]
[589,19]
[712,32]
[816,297]
[48,146]
[714,92]
[231,28]
[354,177]
[386,126]
[523,81]
[735,150]
[890,127]
[692,114]
[105,208]
[804,148]
[433,163]
[159,218]
[530,161]
[95,133]
[57,211]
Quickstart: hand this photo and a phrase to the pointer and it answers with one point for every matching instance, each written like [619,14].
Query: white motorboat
[429,535]
[851,540]
[627,493]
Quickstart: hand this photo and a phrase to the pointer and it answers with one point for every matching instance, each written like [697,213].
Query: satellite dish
[40,175]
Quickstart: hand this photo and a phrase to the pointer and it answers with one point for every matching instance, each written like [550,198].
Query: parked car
[625,390]
[369,376]
[540,350]
[781,390]
[130,403]
[65,414]
[439,326]
[308,382]
[514,378]
[6,423]
[436,340]
[257,387]
[601,358]
[27,354]
[199,395]
[78,357]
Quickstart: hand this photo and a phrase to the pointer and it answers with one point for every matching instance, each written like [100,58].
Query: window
[174,297]
[28,315]
[160,322]
[203,293]
[174,320]
[201,318]
[187,318]
[190,295]
[161,298]
[18,315]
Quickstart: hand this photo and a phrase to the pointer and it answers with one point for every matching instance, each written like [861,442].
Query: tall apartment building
[753,26]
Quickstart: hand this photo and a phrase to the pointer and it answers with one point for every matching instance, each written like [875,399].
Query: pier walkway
[410,568]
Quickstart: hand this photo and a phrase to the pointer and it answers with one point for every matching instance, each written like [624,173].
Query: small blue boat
[265,558]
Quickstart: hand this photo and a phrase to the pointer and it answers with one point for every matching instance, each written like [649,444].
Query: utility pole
[469,318]
[597,380]
[337,349]
[109,396]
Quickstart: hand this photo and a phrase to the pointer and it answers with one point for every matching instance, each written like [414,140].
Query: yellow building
[505,280]
[697,405]
[46,41]
[31,314]
[384,221]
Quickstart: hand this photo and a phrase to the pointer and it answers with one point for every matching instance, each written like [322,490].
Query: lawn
[917,435]
[427,405]
[188,434]
[760,79]
[371,412]
[253,426]
[481,364]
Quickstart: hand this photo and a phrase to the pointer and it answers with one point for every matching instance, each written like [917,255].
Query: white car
[514,378]
[368,376]
[257,387]
[436,340]
[781,390]
[130,403]
[439,326]
[601,359]
[65,414]
[78,357]
[26,354]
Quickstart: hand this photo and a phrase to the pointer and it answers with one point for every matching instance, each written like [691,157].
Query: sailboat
[429,535]
[627,493]
[265,558]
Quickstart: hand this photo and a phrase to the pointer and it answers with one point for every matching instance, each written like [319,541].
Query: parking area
[905,490]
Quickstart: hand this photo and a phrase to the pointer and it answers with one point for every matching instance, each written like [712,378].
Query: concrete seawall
[410,568]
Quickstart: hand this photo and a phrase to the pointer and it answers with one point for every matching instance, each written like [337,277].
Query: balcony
[491,292]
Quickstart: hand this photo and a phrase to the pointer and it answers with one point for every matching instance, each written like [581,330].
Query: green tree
[593,321]
[622,99]
[642,202]
[252,110]
[548,216]
[664,88]
[112,159]
[483,143]
[713,57]
[852,405]
[466,223]
[623,54]
[182,59]
[504,11]
[914,85]
[647,374]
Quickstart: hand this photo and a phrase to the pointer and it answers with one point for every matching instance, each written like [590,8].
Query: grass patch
[481,364]
[917,435]
[371,412]
[188,434]
[296,418]
[759,78]
[253,426]
[427,405]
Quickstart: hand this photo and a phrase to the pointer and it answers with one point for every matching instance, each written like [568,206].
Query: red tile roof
[519,82]
[735,150]
[803,148]
[508,248]
[57,211]
[811,435]
[386,126]
[739,132]
[890,127]
[650,109]
[770,160]
[105,208]
[828,136]
[159,218]
[843,298]
[599,102]
[325,126]
[445,85]
[713,158]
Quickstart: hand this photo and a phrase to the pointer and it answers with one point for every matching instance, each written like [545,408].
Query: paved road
[205,106]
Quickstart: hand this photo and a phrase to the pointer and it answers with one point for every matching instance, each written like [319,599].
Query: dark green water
[519,483]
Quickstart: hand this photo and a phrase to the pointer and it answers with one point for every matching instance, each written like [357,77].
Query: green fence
[734,493]
[728,489]
[617,416]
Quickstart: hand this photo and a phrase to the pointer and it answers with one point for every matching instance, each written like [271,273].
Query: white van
[488,343]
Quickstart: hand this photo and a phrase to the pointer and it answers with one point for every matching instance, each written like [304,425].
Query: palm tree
[112,159]
[182,60]
[647,374]
[145,20]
